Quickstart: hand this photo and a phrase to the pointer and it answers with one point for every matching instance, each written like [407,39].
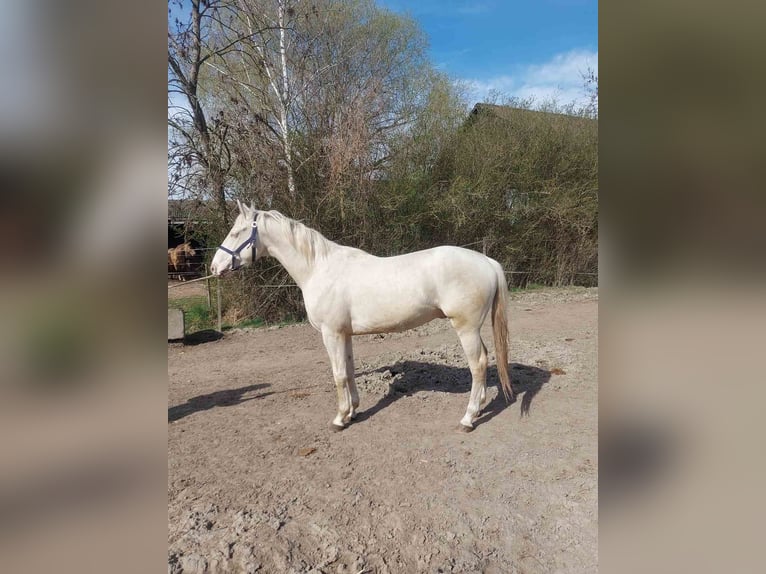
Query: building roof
[511,112]
[182,210]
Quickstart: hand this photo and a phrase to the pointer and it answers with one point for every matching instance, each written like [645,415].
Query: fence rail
[294,285]
[179,275]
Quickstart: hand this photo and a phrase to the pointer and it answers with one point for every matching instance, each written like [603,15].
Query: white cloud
[560,78]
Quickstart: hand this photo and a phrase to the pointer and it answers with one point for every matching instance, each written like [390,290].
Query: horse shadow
[414,376]
[225,398]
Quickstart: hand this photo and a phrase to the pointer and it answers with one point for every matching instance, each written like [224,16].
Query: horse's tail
[500,330]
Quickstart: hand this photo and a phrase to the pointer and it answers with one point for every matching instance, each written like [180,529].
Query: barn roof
[511,112]
[184,210]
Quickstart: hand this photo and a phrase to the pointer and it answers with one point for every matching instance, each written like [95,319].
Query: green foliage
[528,182]
[197,315]
[525,181]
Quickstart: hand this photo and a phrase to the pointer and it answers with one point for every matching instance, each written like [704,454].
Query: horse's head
[242,245]
[189,250]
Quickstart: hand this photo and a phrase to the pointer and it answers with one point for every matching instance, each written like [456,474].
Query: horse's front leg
[341,355]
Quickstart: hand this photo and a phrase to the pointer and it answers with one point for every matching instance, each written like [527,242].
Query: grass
[197,315]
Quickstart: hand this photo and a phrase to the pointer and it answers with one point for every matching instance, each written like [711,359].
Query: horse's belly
[393,320]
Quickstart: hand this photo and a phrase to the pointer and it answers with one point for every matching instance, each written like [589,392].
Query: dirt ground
[257,482]
[179,289]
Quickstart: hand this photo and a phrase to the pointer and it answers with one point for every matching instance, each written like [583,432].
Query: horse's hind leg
[353,392]
[476,353]
[341,355]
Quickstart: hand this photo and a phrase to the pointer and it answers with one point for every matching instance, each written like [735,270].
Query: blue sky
[531,48]
[527,48]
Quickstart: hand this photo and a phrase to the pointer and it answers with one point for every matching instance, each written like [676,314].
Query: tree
[199,143]
[315,103]
[590,79]
[255,71]
[527,181]
[195,142]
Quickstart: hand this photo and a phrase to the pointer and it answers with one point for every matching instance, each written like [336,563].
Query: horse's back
[426,271]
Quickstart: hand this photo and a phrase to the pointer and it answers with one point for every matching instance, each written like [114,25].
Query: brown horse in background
[179,259]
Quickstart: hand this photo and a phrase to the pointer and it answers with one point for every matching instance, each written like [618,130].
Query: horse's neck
[294,262]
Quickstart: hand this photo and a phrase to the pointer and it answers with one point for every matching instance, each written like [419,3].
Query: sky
[527,48]
[531,48]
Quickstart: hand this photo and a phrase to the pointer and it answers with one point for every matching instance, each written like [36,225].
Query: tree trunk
[283,102]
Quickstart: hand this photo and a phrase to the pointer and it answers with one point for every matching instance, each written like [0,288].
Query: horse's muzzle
[219,269]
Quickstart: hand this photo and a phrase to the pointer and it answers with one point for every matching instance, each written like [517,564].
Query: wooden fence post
[209,294]
[218,290]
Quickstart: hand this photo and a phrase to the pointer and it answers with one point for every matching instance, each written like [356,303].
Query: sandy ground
[258,483]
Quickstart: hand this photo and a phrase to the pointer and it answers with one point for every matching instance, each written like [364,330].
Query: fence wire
[195,276]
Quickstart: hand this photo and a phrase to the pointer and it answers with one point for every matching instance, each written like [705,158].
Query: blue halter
[236,258]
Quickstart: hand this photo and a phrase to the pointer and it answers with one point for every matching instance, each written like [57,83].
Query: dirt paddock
[258,483]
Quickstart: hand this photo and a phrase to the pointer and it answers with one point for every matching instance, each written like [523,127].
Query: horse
[347,291]
[179,258]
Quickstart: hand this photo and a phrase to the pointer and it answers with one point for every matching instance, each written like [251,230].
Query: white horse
[350,292]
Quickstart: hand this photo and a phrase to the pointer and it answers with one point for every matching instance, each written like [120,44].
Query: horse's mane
[306,241]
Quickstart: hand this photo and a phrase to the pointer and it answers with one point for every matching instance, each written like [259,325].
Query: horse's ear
[239,205]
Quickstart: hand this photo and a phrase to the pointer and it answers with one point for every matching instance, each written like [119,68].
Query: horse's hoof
[463,428]
[336,428]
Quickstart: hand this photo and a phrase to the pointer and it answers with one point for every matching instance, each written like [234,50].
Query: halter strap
[236,258]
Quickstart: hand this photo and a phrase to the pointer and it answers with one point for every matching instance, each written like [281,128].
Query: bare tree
[260,68]
[590,79]
[199,143]
[199,32]
[326,83]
